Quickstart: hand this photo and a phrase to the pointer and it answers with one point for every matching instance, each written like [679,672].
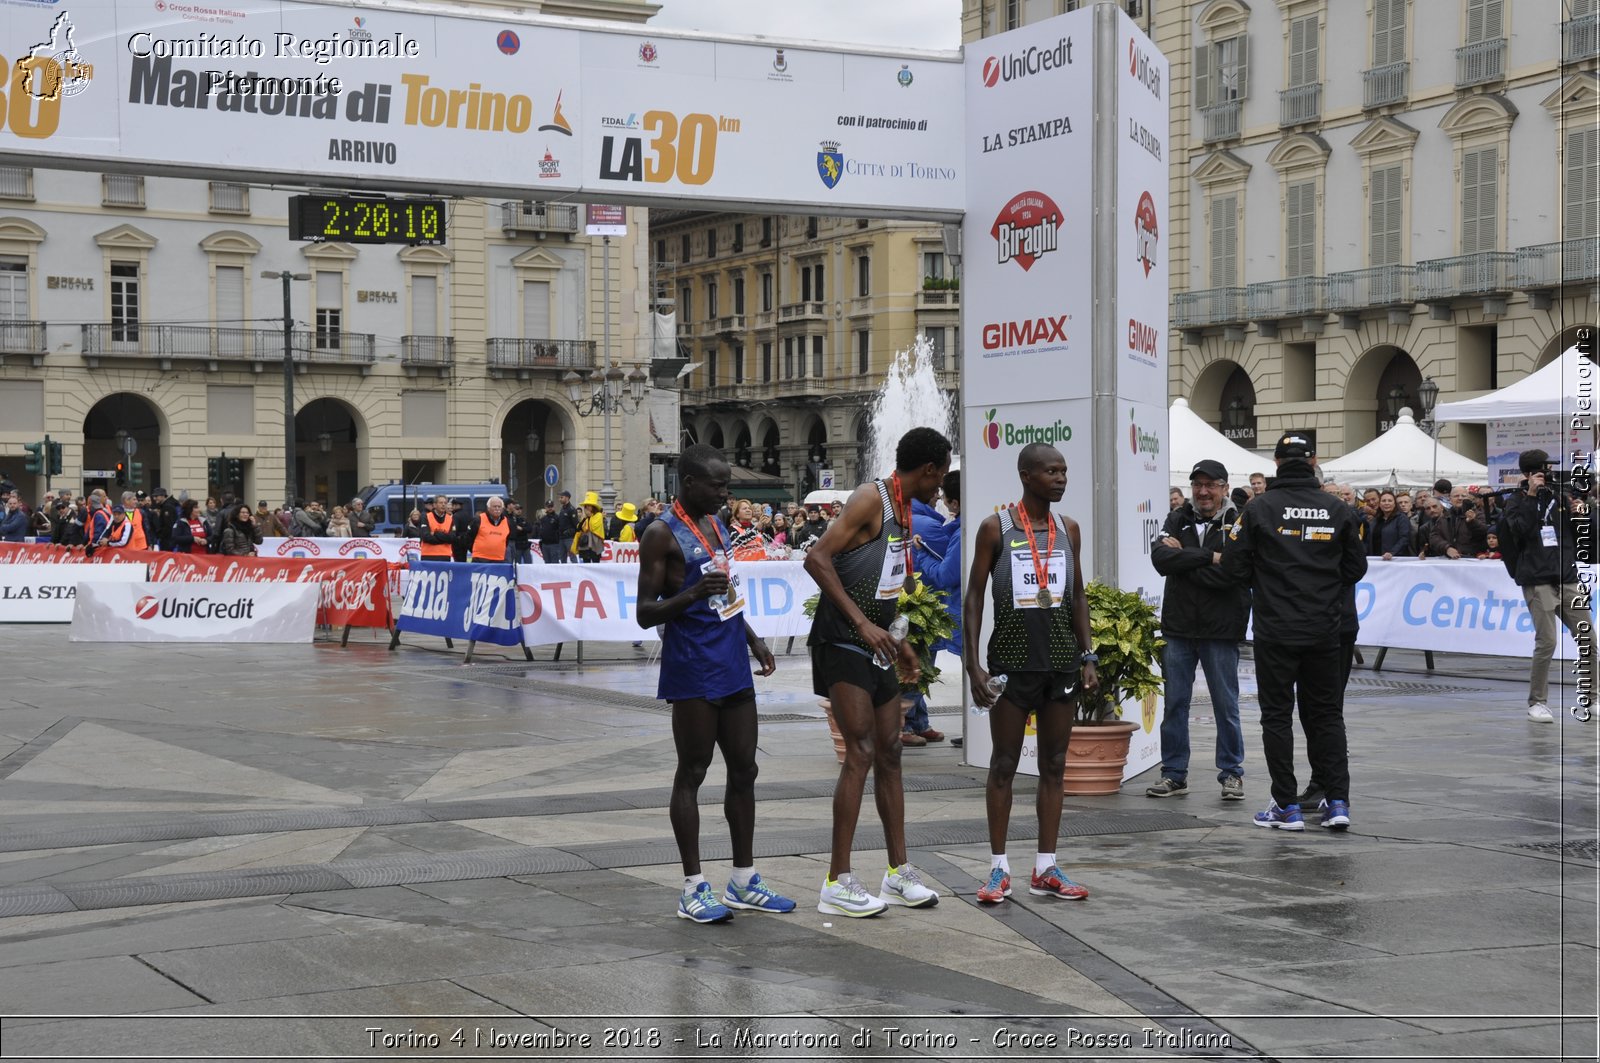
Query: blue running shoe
[1282,818]
[756,897]
[1335,814]
[702,906]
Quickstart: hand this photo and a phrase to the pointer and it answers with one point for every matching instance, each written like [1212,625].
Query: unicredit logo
[1030,61]
[146,607]
[200,609]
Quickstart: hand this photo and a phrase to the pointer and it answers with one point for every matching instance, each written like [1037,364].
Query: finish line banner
[455,601]
[353,593]
[45,593]
[194,612]
[600,602]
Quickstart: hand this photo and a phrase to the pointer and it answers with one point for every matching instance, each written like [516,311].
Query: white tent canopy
[1193,439]
[1549,392]
[1406,453]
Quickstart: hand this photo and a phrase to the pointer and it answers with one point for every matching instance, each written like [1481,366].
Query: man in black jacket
[1545,532]
[1203,619]
[548,529]
[568,518]
[1299,548]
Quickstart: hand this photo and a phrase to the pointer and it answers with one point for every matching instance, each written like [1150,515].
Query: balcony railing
[1481,63]
[938,299]
[1209,306]
[765,319]
[1221,121]
[1383,85]
[1378,286]
[529,217]
[1548,266]
[540,354]
[801,311]
[1580,38]
[121,190]
[22,337]
[428,350]
[16,182]
[1299,105]
[1290,297]
[1484,273]
[202,343]
[730,323]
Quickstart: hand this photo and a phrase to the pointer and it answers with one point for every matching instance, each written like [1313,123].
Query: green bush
[1125,630]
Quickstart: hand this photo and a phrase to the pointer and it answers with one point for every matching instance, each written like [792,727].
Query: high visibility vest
[138,541]
[490,543]
[439,551]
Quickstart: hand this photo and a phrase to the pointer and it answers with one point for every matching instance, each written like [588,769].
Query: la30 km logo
[682,148]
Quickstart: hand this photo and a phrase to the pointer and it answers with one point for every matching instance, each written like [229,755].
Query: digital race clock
[367,219]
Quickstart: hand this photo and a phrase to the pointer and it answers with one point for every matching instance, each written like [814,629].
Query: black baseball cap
[566,494]
[1208,469]
[1294,445]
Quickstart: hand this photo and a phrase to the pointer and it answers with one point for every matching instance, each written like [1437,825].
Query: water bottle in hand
[897,631]
[996,686]
[718,602]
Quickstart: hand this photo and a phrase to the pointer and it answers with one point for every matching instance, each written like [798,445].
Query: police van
[391,503]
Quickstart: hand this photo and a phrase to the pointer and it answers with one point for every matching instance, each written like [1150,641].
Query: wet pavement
[308,851]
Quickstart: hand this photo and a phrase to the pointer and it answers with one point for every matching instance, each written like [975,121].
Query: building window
[661,251]
[863,352]
[936,341]
[16,182]
[13,289]
[121,190]
[816,277]
[788,358]
[933,265]
[685,303]
[738,364]
[1480,200]
[766,363]
[1300,229]
[683,248]
[1386,216]
[738,236]
[711,243]
[711,299]
[1222,71]
[1225,242]
[330,309]
[711,368]
[1485,20]
[811,228]
[863,276]
[1013,14]
[766,232]
[536,310]
[1303,52]
[738,294]
[230,296]
[816,356]
[125,302]
[1581,210]
[424,305]
[766,291]
[1388,32]
[805,284]
[228,197]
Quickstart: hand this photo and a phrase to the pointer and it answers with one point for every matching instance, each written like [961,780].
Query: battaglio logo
[1142,442]
[1020,435]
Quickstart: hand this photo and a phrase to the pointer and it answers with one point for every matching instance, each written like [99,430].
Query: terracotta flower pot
[1096,753]
[833,729]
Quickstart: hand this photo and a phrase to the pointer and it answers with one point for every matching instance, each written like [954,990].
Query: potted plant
[929,622]
[1126,634]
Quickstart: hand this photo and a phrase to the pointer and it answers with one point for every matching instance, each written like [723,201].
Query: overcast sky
[887,23]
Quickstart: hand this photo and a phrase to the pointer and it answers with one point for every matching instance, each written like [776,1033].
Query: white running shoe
[848,897]
[903,885]
[1540,712]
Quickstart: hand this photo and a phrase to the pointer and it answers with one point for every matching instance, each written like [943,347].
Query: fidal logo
[147,607]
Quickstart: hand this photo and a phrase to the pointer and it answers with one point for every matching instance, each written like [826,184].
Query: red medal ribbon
[694,526]
[1041,573]
[900,515]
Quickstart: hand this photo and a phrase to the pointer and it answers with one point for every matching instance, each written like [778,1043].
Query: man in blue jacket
[938,552]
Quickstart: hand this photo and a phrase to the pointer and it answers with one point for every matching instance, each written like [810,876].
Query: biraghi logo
[1027,228]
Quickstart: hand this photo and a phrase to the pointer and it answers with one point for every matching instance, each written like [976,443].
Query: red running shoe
[997,889]
[1055,884]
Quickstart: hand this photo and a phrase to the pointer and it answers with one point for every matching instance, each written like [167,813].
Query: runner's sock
[742,875]
[999,860]
[692,883]
[1043,862]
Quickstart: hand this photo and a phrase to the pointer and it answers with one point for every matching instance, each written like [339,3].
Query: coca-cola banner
[354,593]
[194,612]
[46,554]
[476,602]
[34,593]
[394,551]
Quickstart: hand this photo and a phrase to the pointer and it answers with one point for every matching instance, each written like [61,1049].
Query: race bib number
[892,580]
[1025,579]
[735,603]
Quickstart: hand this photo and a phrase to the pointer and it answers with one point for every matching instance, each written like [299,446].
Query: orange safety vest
[490,543]
[138,542]
[442,551]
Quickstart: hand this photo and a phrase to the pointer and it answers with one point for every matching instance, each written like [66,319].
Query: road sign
[552,475]
[825,480]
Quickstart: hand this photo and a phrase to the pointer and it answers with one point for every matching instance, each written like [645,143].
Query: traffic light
[136,473]
[35,462]
[54,452]
[122,474]
[235,471]
[214,470]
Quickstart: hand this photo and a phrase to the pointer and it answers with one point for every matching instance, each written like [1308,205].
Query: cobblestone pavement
[309,851]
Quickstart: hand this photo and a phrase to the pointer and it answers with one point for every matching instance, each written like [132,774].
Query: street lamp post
[1428,394]
[288,379]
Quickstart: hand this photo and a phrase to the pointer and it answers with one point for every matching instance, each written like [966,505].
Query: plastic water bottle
[897,631]
[718,602]
[996,686]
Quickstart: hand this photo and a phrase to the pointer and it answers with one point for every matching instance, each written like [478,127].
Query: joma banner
[353,592]
[476,602]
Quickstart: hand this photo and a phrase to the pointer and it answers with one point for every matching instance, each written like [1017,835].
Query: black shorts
[832,663]
[729,701]
[1033,690]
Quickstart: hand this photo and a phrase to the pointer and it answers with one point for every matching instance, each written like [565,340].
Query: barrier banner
[48,554]
[599,602]
[194,612]
[360,548]
[44,593]
[1464,606]
[474,602]
[353,593]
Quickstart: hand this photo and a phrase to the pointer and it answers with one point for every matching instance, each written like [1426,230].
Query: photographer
[1540,537]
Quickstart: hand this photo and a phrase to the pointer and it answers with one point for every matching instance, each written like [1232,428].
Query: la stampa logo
[147,607]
